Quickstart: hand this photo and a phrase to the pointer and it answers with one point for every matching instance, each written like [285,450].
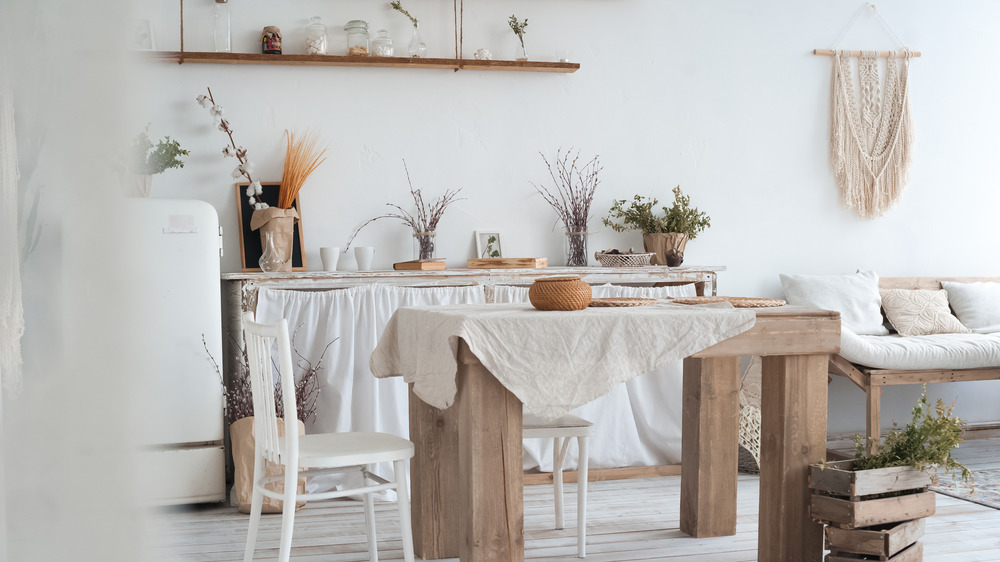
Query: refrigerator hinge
[220,240]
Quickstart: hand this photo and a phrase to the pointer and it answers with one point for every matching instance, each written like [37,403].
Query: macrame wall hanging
[872,136]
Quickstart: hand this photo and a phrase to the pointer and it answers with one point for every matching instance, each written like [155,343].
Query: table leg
[709,446]
[437,521]
[793,436]
[490,476]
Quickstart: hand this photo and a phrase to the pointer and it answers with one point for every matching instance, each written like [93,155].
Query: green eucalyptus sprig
[518,27]
[396,5]
[150,159]
[639,215]
[925,443]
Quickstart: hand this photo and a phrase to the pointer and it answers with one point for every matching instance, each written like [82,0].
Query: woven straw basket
[623,260]
[559,293]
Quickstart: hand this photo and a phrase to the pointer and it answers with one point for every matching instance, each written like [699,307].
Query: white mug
[364,255]
[329,257]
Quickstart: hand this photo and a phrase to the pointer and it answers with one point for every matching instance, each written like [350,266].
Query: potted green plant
[666,235]
[874,505]
[147,159]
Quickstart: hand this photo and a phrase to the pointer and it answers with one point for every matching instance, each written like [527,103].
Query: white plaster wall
[722,97]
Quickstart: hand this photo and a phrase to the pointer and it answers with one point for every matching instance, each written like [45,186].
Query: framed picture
[250,246]
[141,36]
[488,244]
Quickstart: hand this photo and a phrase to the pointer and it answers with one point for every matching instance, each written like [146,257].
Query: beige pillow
[915,312]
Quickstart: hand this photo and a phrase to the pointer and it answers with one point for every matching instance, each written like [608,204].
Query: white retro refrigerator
[172,253]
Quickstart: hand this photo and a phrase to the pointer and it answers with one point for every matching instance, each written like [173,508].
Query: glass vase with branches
[574,184]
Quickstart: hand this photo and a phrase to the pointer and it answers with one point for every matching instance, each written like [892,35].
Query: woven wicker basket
[623,260]
[559,293]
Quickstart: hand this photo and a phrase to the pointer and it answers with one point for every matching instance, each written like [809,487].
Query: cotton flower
[238,172]
[216,110]
[253,201]
[255,186]
[228,151]
[224,126]
[247,167]
[251,191]
[204,101]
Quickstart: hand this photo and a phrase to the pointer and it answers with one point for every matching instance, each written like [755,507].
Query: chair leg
[370,528]
[403,499]
[288,513]
[581,498]
[558,454]
[256,506]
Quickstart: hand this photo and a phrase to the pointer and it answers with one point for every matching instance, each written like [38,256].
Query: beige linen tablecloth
[552,361]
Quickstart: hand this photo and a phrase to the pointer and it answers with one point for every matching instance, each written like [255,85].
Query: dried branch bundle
[427,216]
[574,188]
[302,157]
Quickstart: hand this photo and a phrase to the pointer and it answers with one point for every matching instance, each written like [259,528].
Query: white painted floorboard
[628,520]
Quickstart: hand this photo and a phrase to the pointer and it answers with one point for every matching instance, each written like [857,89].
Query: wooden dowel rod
[881,54]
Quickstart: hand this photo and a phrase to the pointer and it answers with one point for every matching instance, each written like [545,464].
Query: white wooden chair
[561,431]
[311,455]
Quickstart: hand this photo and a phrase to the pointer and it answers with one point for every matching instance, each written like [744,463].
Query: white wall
[723,98]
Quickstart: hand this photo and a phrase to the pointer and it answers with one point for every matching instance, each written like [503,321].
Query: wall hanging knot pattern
[872,133]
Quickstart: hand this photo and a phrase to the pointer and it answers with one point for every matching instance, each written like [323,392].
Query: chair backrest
[260,338]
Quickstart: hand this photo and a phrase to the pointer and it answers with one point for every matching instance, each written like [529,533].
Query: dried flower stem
[396,5]
[241,154]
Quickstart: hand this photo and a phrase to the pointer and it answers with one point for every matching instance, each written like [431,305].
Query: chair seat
[332,450]
[564,426]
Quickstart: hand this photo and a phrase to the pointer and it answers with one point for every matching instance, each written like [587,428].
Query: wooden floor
[628,520]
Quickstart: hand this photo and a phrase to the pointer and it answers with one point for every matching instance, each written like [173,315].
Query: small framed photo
[488,244]
[141,36]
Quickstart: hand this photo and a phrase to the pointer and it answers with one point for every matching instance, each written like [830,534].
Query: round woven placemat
[622,301]
[738,302]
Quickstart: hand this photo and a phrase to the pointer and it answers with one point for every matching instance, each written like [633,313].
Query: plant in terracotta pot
[874,505]
[148,159]
[666,235]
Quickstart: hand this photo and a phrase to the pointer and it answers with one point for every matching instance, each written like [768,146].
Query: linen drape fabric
[11,306]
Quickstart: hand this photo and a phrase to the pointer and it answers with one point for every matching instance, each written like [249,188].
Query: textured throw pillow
[918,312]
[854,296]
[977,305]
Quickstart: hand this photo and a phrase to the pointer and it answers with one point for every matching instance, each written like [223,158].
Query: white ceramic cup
[329,257]
[364,256]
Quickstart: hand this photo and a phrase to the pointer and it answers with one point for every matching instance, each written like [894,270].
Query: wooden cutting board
[508,263]
[436,264]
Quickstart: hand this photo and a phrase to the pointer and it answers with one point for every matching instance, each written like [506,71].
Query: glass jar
[417,48]
[576,249]
[315,37]
[221,33]
[357,38]
[382,44]
[270,40]
[425,245]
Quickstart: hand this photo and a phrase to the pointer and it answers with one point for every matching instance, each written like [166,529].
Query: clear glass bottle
[270,260]
[315,37]
[382,44]
[357,38]
[221,31]
[425,245]
[417,48]
[576,249]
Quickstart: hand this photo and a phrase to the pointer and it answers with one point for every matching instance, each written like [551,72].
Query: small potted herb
[518,28]
[147,159]
[666,235]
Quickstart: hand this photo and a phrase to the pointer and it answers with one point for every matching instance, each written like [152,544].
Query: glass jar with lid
[357,38]
[382,44]
[315,37]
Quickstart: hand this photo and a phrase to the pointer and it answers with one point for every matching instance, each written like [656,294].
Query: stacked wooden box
[871,514]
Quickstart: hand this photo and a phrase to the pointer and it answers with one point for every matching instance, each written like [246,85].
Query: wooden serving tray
[436,264]
[508,263]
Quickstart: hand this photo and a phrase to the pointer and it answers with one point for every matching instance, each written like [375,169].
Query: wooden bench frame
[871,380]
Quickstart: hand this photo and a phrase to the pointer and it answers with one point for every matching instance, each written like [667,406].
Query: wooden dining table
[467,473]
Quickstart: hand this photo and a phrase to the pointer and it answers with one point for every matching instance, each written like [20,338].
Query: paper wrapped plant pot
[281,224]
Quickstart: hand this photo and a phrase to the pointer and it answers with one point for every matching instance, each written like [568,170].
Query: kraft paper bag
[241,432]
[281,224]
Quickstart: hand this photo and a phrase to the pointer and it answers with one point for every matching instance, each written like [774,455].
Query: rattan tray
[622,301]
[738,302]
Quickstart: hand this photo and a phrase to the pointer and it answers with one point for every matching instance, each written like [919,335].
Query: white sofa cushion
[977,305]
[916,312]
[854,296]
[938,351]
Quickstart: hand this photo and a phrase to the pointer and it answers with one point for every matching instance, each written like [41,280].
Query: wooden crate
[849,498]
[840,478]
[851,514]
[883,541]
[914,553]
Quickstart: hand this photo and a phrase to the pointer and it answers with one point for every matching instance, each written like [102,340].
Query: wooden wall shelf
[383,62]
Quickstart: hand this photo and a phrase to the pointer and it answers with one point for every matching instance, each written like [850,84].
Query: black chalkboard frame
[250,246]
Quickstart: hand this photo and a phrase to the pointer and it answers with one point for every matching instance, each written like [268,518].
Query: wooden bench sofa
[872,379]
